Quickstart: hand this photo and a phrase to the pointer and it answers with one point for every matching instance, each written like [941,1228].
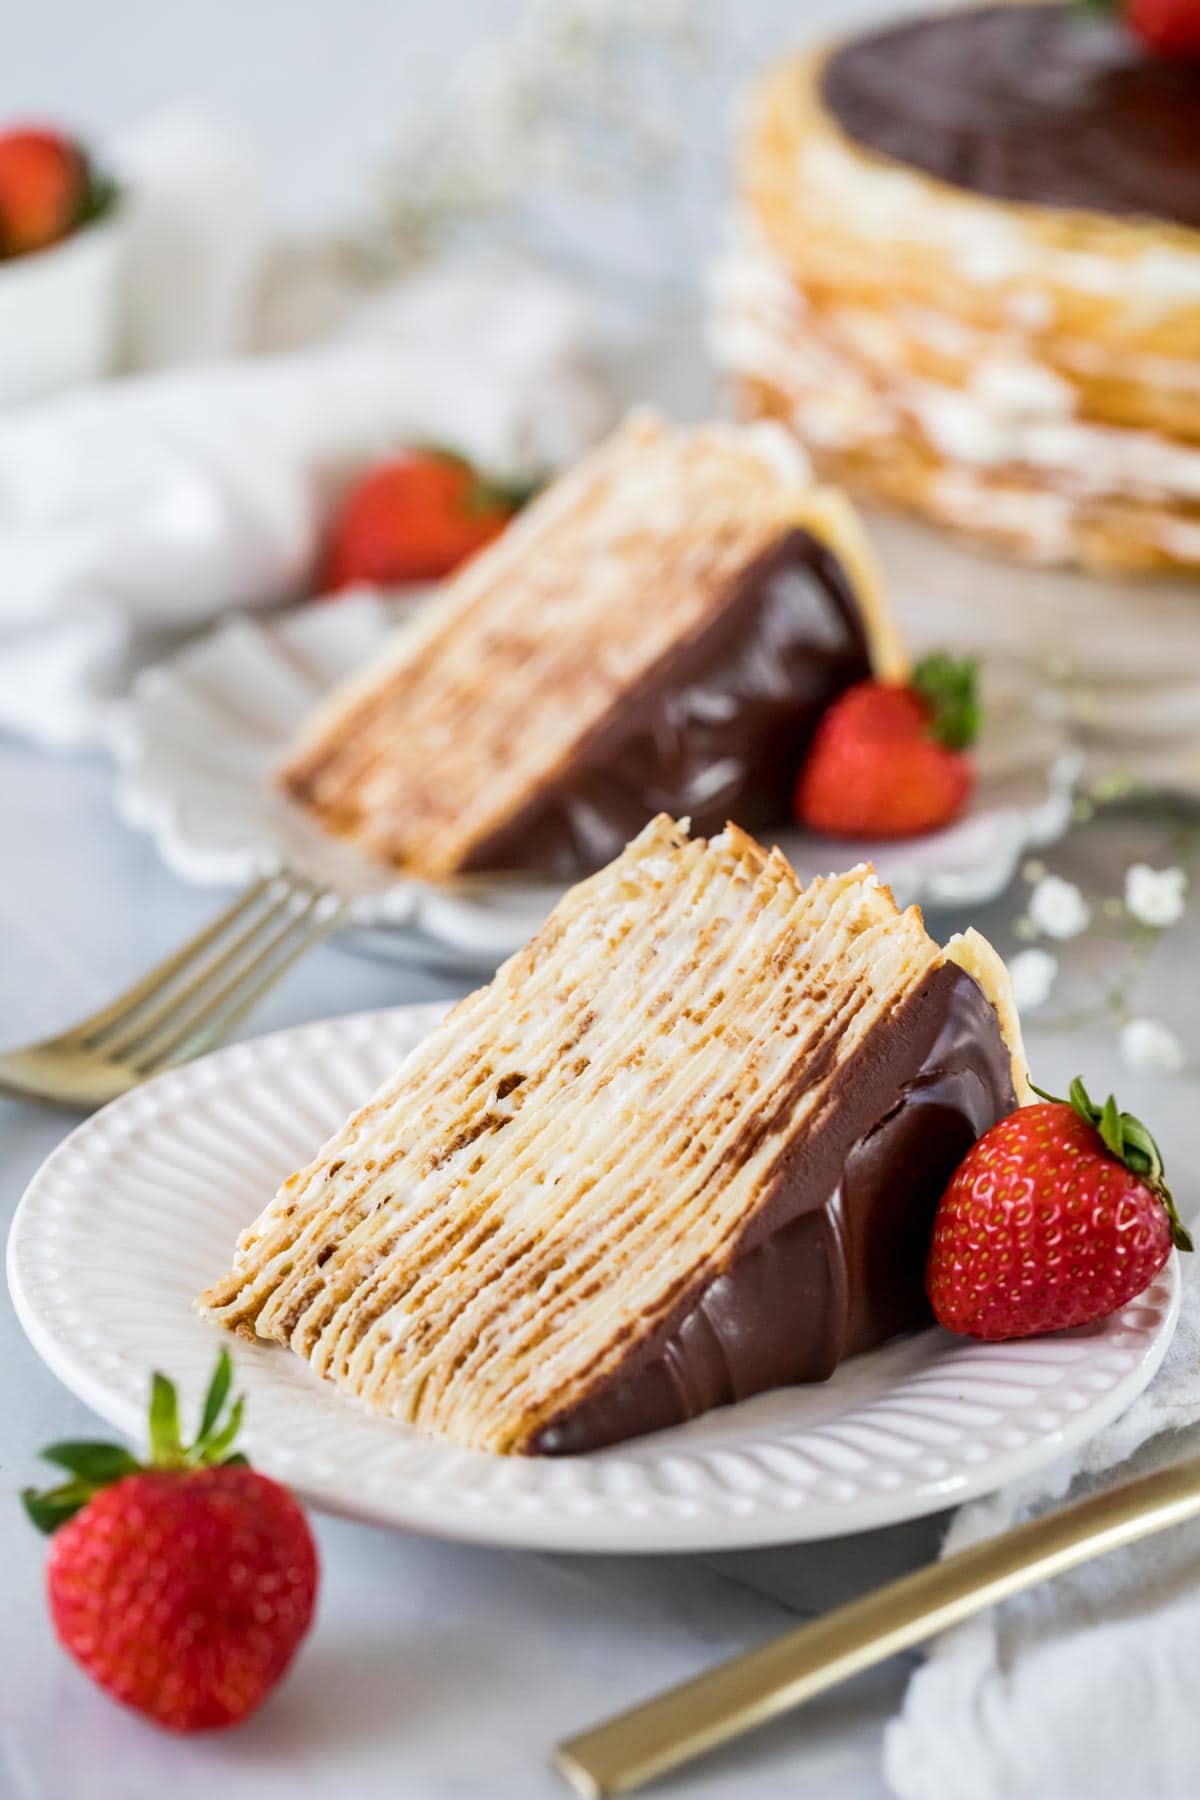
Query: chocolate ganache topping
[1038,104]
[715,731]
[835,1261]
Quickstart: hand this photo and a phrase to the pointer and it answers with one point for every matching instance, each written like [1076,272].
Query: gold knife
[635,1746]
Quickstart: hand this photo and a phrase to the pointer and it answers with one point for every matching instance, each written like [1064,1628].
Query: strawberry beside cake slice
[686,1146]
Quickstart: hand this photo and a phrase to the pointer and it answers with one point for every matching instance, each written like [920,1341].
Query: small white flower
[1147,1044]
[1058,909]
[1033,870]
[1155,896]
[1033,973]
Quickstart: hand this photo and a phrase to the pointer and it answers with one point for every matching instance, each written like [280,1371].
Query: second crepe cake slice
[686,1146]
[660,631]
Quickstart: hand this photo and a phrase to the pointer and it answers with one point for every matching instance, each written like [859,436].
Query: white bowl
[60,312]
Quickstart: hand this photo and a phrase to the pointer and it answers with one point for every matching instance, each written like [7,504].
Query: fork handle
[684,1722]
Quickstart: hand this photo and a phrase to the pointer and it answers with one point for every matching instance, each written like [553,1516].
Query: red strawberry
[43,186]
[891,761]
[183,1588]
[414,519]
[1168,27]
[1057,1216]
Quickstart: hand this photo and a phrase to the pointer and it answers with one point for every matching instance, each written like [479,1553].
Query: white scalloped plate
[200,736]
[139,1209]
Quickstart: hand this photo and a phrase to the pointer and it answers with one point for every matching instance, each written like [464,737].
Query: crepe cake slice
[685,1146]
[660,631]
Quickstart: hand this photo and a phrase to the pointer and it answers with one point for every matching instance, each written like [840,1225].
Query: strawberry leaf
[166,1449]
[212,1449]
[218,1393]
[95,1463]
[1109,1127]
[215,1437]
[949,687]
[510,494]
[53,1508]
[444,453]
[1078,1099]
[99,195]
[487,493]
[93,1466]
[1130,1142]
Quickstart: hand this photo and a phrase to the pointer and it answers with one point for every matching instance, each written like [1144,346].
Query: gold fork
[186,1004]
[636,1746]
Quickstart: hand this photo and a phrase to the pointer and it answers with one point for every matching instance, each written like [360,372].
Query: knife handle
[635,1746]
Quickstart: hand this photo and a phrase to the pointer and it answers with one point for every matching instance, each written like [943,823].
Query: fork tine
[138,1023]
[232,994]
[163,972]
[245,1002]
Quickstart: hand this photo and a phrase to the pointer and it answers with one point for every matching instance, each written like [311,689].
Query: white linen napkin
[134,509]
[1085,1687]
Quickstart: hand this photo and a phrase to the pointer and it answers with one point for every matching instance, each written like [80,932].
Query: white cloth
[1084,1687]
[136,509]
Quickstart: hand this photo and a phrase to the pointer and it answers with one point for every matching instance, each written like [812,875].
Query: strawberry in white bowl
[60,220]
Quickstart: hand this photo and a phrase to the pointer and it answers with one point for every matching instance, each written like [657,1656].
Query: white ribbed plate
[200,737]
[139,1209]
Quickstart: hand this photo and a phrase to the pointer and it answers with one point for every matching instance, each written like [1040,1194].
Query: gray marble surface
[436,1671]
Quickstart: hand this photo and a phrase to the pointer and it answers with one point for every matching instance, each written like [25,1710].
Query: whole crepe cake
[967,272]
[686,1146]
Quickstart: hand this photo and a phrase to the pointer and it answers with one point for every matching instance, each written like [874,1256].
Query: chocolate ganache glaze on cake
[717,730]
[835,1261]
[1037,104]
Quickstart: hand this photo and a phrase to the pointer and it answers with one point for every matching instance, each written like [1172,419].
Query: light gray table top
[436,1671]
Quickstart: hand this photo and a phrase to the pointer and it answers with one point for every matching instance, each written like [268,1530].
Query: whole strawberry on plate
[1058,1216]
[183,1585]
[892,759]
[1168,27]
[415,518]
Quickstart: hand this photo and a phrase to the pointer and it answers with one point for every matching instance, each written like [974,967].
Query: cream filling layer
[749,277]
[985,241]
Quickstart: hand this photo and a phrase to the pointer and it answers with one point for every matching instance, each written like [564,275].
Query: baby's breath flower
[1057,908]
[1149,1045]
[1155,896]
[1033,973]
[1117,784]
[576,98]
